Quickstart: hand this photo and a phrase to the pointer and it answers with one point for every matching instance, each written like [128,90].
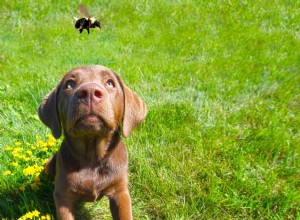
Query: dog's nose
[90,93]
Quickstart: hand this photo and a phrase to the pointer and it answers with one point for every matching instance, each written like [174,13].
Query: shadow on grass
[15,203]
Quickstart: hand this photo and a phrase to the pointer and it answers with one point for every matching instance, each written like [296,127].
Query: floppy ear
[135,110]
[48,113]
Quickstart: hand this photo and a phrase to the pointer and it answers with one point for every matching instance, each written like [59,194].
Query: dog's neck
[92,149]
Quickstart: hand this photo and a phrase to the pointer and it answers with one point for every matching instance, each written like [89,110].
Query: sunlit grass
[221,81]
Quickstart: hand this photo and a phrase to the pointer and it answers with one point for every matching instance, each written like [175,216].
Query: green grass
[222,83]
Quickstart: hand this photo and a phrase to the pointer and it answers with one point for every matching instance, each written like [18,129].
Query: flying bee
[87,21]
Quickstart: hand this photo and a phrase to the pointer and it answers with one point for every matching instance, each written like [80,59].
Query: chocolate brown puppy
[92,107]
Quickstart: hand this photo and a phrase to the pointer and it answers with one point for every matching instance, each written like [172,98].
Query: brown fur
[90,106]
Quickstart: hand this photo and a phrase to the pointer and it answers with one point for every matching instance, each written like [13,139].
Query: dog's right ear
[48,113]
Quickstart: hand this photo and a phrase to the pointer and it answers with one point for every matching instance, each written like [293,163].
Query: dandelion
[51,140]
[46,217]
[17,155]
[50,136]
[18,144]
[9,148]
[18,149]
[7,172]
[36,213]
[31,170]
[30,215]
[25,158]
[16,152]
[15,164]
[41,143]
[44,161]
[29,152]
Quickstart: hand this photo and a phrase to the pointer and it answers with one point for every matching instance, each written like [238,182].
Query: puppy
[92,107]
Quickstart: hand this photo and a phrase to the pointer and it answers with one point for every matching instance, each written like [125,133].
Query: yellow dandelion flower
[29,152]
[51,143]
[51,140]
[15,164]
[16,154]
[9,148]
[46,217]
[29,171]
[38,168]
[50,136]
[30,215]
[18,149]
[41,144]
[7,172]
[36,213]
[22,188]
[18,143]
[25,158]
[44,161]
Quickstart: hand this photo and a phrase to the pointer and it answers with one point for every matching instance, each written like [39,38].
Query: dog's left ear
[135,110]
[48,113]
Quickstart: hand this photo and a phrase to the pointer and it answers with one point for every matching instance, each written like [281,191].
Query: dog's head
[91,101]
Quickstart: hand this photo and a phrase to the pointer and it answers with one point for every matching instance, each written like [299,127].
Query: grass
[222,83]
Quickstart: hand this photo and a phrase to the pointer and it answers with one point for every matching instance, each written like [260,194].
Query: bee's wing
[83,11]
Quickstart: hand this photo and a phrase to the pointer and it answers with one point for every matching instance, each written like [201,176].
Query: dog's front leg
[120,206]
[64,207]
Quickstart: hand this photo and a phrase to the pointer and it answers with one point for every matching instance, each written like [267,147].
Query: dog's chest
[90,184]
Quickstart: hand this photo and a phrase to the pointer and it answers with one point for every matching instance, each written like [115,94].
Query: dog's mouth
[91,118]
[89,124]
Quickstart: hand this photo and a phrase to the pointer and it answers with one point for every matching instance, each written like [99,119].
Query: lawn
[222,83]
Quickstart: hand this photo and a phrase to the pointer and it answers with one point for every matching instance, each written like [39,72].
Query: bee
[87,21]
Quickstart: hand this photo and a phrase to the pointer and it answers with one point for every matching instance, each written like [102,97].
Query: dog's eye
[70,84]
[110,83]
